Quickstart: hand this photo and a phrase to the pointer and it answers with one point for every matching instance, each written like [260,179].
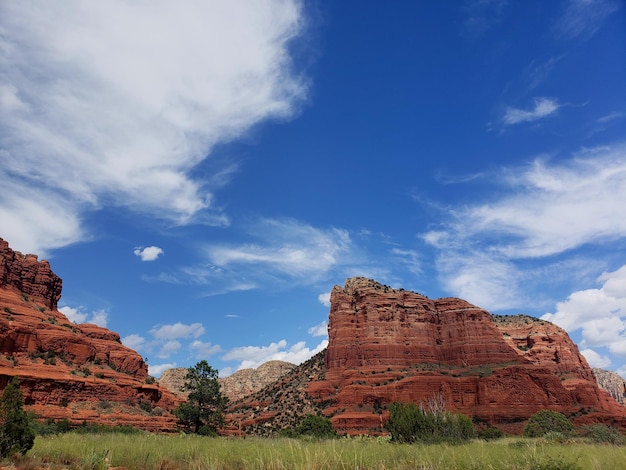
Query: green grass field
[154,451]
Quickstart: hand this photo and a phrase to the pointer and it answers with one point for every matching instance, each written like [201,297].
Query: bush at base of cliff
[314,426]
[547,421]
[16,432]
[602,433]
[409,423]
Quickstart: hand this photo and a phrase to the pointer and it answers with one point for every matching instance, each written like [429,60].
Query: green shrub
[316,426]
[547,421]
[409,422]
[602,433]
[490,433]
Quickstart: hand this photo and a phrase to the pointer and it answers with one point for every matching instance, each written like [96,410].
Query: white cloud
[582,18]
[168,348]
[77,315]
[543,107]
[177,330]
[540,211]
[134,341]
[204,350]
[157,369]
[253,356]
[596,360]
[600,314]
[288,246]
[324,299]
[319,330]
[149,253]
[116,102]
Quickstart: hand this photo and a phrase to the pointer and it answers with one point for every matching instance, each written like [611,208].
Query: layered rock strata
[79,372]
[389,345]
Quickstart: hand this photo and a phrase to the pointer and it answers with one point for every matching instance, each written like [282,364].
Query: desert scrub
[180,451]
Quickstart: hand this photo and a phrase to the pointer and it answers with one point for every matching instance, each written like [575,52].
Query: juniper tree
[16,431]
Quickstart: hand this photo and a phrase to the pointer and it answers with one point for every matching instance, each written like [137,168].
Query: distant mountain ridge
[242,383]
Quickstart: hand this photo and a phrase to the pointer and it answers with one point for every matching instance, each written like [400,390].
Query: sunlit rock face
[390,345]
[79,372]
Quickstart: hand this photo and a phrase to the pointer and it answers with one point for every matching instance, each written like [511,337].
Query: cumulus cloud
[600,314]
[134,341]
[177,330]
[78,315]
[149,253]
[203,349]
[117,102]
[541,210]
[157,369]
[253,356]
[166,340]
[596,360]
[543,107]
[168,348]
[324,299]
[319,330]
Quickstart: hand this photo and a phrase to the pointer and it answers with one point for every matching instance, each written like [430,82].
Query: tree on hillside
[203,413]
[16,431]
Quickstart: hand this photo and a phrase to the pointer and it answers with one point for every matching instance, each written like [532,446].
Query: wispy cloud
[546,210]
[612,117]
[582,18]
[482,15]
[287,246]
[543,107]
[149,253]
[115,103]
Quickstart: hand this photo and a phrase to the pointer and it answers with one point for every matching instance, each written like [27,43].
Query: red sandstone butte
[79,372]
[389,345]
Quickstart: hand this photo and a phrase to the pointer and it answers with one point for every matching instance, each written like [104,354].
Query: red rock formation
[80,372]
[28,276]
[390,345]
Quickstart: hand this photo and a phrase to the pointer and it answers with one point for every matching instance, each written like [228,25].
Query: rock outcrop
[613,383]
[389,345]
[242,383]
[28,276]
[79,372]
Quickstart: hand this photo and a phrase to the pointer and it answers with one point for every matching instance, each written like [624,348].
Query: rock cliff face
[236,386]
[390,345]
[27,275]
[613,383]
[79,372]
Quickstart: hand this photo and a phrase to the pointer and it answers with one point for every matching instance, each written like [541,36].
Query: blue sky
[201,173]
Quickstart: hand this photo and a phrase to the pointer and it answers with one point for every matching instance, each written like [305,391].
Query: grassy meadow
[169,452]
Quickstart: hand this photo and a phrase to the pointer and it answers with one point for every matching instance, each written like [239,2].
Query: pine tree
[16,431]
[203,413]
